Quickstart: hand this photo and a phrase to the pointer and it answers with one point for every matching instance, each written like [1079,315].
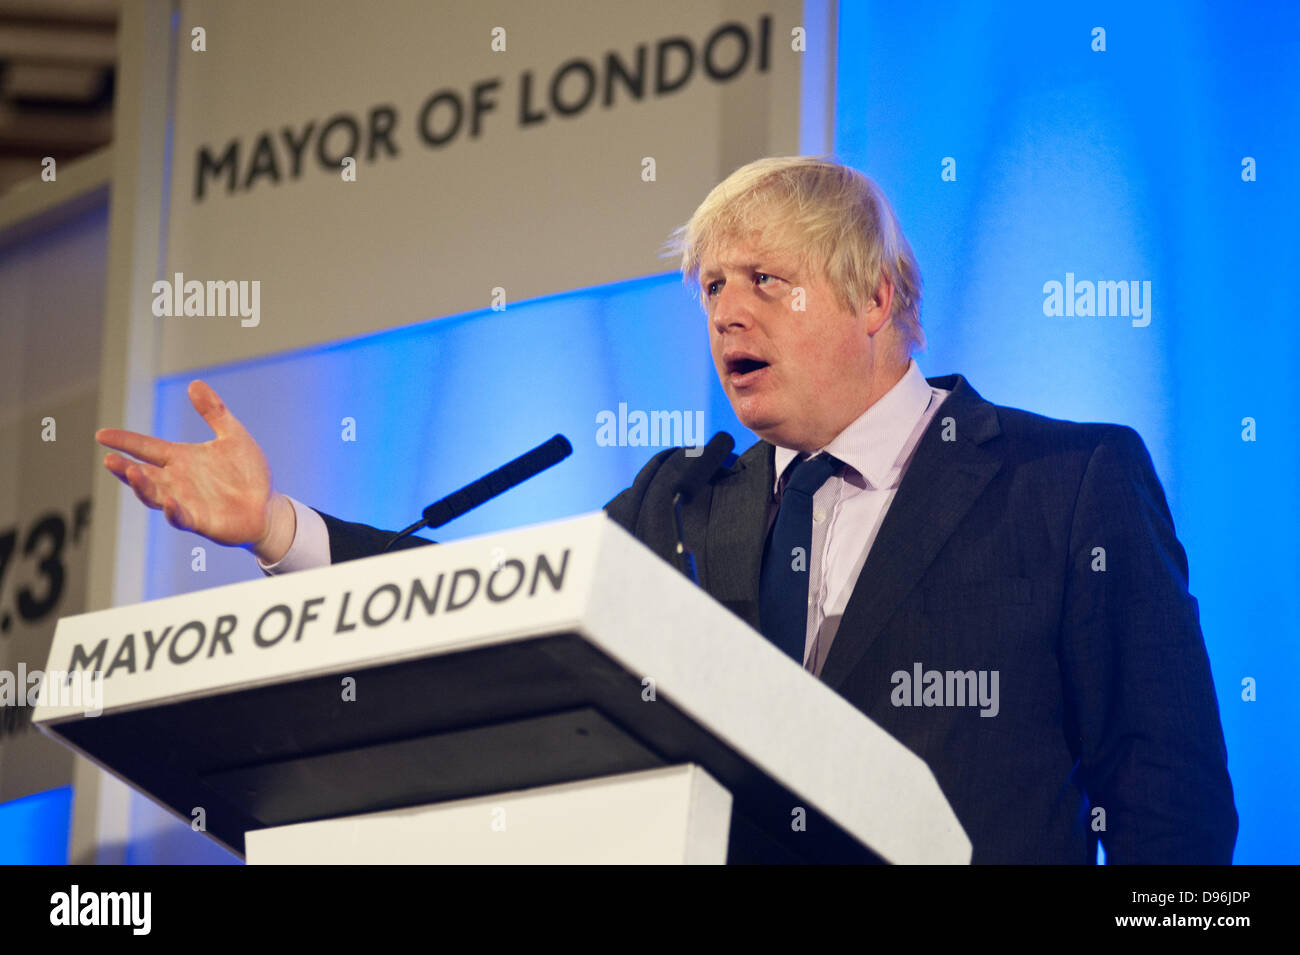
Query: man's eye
[711,289]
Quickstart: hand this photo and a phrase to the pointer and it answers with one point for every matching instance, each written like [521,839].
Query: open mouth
[744,369]
[744,364]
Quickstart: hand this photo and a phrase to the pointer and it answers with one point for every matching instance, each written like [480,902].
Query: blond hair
[827,215]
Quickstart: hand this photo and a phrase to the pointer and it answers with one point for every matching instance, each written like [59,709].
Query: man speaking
[888,531]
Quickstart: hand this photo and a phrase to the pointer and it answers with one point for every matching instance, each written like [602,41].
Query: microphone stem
[685,559]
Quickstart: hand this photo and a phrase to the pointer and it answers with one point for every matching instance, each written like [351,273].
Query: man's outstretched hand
[220,489]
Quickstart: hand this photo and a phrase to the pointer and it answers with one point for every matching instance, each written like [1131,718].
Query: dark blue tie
[783,586]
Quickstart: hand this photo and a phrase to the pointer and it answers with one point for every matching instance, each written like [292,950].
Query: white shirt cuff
[310,547]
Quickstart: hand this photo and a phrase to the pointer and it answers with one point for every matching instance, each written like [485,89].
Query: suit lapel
[737,526]
[940,485]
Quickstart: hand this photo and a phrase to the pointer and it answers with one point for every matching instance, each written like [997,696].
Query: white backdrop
[536,203]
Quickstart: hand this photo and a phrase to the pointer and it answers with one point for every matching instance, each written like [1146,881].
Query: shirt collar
[873,443]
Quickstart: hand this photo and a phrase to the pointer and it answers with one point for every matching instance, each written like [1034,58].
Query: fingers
[146,482]
[142,446]
[121,467]
[146,486]
[212,409]
[176,515]
[118,465]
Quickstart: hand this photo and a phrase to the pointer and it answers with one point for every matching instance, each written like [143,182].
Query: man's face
[795,378]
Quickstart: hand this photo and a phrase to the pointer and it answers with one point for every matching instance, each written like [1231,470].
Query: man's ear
[880,306]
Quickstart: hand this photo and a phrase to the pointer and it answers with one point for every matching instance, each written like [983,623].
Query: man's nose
[730,310]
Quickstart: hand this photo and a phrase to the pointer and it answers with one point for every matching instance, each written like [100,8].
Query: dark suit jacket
[990,558]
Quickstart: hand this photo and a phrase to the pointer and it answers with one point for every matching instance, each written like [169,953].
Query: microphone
[691,483]
[518,471]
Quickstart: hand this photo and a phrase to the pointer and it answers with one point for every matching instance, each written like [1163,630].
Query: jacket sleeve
[1141,710]
[625,509]
[348,541]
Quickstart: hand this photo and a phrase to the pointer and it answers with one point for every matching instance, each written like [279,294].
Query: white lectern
[556,693]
